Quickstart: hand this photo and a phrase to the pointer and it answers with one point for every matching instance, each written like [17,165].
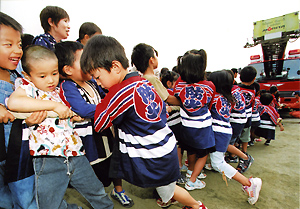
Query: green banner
[285,23]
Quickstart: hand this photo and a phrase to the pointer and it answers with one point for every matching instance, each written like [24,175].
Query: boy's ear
[116,66]
[67,70]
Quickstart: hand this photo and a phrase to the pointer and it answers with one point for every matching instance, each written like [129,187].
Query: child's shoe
[257,140]
[166,204]
[268,142]
[201,175]
[184,168]
[244,165]
[181,180]
[253,190]
[230,159]
[198,184]
[208,166]
[122,198]
[201,206]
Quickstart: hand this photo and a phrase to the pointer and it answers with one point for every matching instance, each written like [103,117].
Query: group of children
[113,124]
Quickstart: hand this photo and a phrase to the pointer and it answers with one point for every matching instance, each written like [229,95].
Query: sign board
[285,23]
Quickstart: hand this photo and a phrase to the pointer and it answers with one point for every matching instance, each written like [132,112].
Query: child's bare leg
[192,160]
[184,197]
[198,168]
[241,179]
[179,156]
[244,146]
[233,150]
[118,185]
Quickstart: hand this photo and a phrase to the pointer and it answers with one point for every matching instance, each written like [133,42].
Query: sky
[172,27]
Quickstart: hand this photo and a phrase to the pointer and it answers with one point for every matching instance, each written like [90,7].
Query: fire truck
[274,67]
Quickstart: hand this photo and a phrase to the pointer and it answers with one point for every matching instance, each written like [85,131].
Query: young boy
[55,22]
[20,191]
[82,95]
[57,150]
[147,146]
[87,30]
[247,77]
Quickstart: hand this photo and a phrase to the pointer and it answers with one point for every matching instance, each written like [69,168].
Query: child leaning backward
[57,150]
[220,112]
[82,94]
[147,146]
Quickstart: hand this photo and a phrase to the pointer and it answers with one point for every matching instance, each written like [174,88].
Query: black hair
[223,82]
[175,69]
[35,53]
[162,71]
[88,28]
[53,12]
[266,98]
[234,70]
[273,89]
[256,87]
[26,40]
[192,65]
[100,52]
[248,74]
[169,76]
[65,53]
[140,56]
[10,22]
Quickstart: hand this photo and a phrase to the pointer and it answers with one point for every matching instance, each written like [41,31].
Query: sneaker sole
[189,188]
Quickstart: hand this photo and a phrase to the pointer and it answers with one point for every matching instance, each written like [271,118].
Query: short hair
[273,89]
[169,76]
[266,98]
[140,56]
[175,69]
[223,82]
[35,53]
[26,40]
[192,65]
[10,22]
[53,12]
[65,53]
[100,52]
[88,28]
[248,74]
[234,70]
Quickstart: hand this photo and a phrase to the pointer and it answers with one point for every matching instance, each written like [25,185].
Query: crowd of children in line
[112,124]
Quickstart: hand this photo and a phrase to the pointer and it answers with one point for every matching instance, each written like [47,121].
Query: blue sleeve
[40,41]
[70,94]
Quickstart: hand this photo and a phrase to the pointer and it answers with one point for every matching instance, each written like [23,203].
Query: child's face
[77,74]
[44,74]
[104,78]
[10,47]
[62,28]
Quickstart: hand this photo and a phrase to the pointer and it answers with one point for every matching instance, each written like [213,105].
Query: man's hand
[5,115]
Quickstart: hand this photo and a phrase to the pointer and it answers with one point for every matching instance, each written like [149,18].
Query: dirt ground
[278,165]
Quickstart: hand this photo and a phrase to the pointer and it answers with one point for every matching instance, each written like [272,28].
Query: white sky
[172,27]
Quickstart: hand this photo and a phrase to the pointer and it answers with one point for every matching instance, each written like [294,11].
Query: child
[87,30]
[20,192]
[58,154]
[255,119]
[196,95]
[237,121]
[294,106]
[247,76]
[269,119]
[220,112]
[147,147]
[82,95]
[276,98]
[55,22]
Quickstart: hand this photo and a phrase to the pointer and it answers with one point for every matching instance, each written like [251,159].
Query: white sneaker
[201,175]
[253,190]
[194,185]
